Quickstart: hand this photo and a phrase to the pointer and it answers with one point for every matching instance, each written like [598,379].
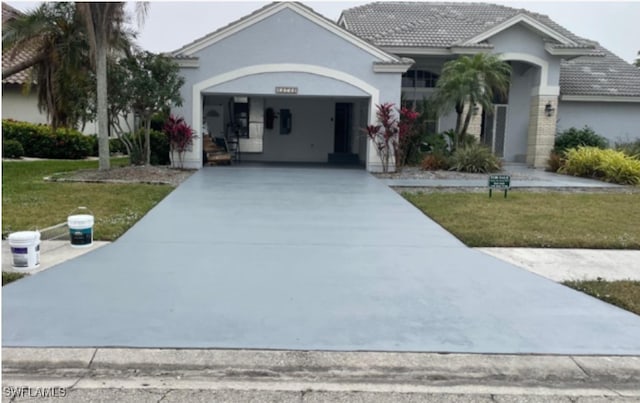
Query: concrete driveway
[303,258]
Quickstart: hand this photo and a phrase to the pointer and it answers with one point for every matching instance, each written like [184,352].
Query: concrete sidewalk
[573,264]
[170,375]
[52,253]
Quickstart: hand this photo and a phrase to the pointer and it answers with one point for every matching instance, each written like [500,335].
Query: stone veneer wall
[542,130]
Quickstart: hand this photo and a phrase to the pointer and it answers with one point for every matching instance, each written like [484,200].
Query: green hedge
[41,142]
[574,138]
[12,149]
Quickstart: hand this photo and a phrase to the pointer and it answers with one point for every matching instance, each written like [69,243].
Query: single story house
[290,85]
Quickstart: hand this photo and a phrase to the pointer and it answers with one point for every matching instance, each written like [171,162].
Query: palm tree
[473,81]
[53,44]
[103,21]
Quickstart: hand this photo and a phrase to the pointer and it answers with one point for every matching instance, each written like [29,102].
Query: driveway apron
[303,258]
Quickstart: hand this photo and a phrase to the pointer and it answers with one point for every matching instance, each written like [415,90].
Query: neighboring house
[15,103]
[18,104]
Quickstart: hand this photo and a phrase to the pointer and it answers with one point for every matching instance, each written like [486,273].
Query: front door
[342,127]
[215,120]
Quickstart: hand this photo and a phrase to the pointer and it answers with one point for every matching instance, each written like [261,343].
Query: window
[419,79]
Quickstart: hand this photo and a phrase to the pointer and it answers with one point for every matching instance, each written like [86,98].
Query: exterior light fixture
[549,109]
[476,109]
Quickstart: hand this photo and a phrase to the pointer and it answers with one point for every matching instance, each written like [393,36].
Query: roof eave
[575,52]
[401,67]
[188,63]
[470,50]
[417,50]
[600,98]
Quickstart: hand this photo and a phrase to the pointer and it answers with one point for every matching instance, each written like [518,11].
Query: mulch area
[160,175]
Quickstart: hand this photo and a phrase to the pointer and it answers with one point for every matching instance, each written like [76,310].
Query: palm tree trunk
[459,111]
[147,140]
[16,68]
[465,127]
[101,104]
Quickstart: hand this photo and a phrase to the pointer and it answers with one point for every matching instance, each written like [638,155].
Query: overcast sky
[170,25]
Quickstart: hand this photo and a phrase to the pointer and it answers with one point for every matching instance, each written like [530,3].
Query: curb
[323,370]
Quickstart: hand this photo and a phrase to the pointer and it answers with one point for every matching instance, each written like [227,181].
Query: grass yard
[28,202]
[10,277]
[625,294]
[537,220]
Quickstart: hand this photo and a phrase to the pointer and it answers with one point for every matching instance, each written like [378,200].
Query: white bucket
[80,230]
[25,249]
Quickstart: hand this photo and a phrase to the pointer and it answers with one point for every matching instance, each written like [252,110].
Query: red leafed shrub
[180,136]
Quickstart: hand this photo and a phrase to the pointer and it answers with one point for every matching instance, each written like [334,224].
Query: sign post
[502,182]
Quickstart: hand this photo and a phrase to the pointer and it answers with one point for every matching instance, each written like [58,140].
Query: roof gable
[272,9]
[521,18]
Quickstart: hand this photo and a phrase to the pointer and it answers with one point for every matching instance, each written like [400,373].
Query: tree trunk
[465,127]
[459,111]
[16,68]
[102,104]
[147,140]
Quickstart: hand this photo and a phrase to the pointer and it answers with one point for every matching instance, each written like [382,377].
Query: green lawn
[11,277]
[625,294]
[28,202]
[537,220]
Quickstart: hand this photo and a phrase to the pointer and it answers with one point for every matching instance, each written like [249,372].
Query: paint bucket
[25,249]
[80,229]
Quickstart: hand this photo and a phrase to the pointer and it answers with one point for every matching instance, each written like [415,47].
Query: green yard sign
[501,182]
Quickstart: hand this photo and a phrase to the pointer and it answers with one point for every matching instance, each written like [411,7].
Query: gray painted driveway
[303,258]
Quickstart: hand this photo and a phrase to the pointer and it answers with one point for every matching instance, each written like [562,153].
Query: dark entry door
[342,127]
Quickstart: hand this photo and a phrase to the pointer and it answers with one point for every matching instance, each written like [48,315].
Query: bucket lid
[80,219]
[23,236]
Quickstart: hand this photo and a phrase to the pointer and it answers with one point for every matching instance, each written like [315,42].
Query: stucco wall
[307,84]
[17,106]
[617,121]
[311,137]
[521,40]
[522,79]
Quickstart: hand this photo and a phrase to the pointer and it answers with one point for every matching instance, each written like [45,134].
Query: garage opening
[258,128]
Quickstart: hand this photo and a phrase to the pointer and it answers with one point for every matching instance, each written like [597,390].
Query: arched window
[419,79]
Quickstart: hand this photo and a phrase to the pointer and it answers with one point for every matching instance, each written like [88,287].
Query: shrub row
[36,140]
[12,149]
[41,142]
[608,165]
[474,157]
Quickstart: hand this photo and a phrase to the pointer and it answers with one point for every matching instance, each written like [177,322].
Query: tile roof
[10,58]
[427,24]
[599,76]
[444,25]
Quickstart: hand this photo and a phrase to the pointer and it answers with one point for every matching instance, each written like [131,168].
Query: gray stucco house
[291,85]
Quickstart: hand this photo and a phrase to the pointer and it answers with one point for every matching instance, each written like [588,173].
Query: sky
[170,25]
